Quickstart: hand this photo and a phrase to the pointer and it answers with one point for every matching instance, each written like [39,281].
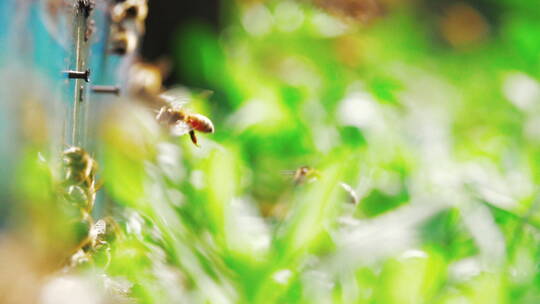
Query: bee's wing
[176,98]
[288,172]
[99,228]
[180,129]
[205,94]
[174,101]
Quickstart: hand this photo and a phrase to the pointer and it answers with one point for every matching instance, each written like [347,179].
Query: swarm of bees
[79,176]
[127,24]
[80,186]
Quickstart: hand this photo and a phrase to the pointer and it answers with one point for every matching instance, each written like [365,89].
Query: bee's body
[127,24]
[80,177]
[307,174]
[200,123]
[144,81]
[123,41]
[175,116]
[304,174]
[135,10]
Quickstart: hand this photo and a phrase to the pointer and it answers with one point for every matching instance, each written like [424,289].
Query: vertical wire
[80,100]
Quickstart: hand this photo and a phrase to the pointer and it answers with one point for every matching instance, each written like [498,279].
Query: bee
[135,10]
[123,41]
[85,7]
[80,177]
[181,121]
[307,174]
[178,119]
[303,174]
[145,80]
[93,240]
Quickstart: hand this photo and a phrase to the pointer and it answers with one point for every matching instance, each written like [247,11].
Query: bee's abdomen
[200,123]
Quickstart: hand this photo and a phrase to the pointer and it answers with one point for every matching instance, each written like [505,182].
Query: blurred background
[364,151]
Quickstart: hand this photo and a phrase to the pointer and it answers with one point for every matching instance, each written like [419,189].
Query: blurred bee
[130,10]
[80,177]
[122,41]
[307,174]
[85,7]
[300,176]
[98,236]
[303,174]
[181,121]
[144,80]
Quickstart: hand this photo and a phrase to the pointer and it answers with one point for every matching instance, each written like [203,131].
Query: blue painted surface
[6,6]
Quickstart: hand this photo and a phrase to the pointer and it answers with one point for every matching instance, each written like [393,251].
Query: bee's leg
[98,185]
[159,114]
[88,222]
[193,137]
[90,199]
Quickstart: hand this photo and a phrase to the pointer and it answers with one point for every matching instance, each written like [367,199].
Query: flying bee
[135,10]
[122,41]
[303,174]
[307,174]
[180,121]
[300,176]
[80,177]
